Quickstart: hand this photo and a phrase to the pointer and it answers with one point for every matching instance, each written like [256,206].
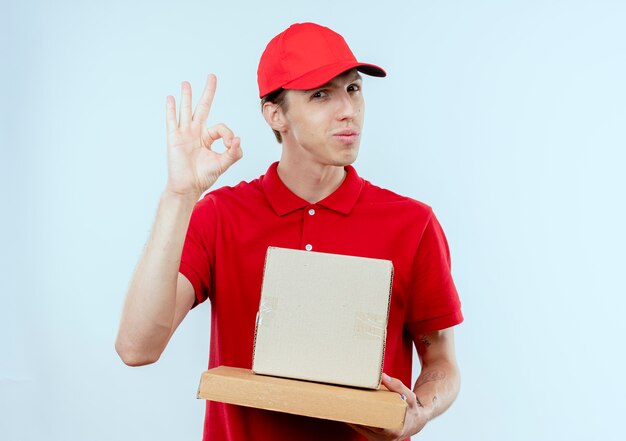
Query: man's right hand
[192,166]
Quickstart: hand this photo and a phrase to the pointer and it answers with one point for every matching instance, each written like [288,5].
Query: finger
[170,113]
[206,100]
[219,131]
[234,152]
[185,103]
[395,385]
[231,155]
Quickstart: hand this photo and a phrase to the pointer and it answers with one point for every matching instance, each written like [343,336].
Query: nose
[348,107]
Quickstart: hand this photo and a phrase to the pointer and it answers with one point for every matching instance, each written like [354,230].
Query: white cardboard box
[323,317]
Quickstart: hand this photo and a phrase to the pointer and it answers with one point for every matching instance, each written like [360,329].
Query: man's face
[323,125]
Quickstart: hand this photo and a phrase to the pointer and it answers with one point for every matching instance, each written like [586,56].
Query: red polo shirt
[223,258]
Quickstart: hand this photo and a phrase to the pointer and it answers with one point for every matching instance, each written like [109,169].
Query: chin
[346,160]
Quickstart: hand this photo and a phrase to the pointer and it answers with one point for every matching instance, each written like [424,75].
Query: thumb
[233,152]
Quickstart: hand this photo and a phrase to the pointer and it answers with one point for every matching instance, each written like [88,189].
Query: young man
[311,199]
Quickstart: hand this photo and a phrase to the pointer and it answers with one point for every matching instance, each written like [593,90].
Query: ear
[274,116]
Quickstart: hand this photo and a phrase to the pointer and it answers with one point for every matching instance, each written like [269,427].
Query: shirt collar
[283,201]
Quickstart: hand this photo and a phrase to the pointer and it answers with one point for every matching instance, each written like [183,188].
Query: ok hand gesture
[192,166]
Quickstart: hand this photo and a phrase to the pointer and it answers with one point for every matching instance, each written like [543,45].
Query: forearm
[150,303]
[437,387]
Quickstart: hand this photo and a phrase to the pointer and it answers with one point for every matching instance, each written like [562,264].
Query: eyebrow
[354,77]
[357,76]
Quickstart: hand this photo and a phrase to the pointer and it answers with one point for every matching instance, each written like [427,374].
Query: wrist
[427,406]
[180,198]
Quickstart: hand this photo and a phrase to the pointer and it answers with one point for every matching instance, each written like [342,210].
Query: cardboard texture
[375,408]
[323,317]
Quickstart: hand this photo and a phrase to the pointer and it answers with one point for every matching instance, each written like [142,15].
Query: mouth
[347,136]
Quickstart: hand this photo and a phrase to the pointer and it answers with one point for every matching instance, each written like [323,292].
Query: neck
[311,183]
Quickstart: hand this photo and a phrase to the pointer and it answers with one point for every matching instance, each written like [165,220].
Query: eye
[319,94]
[354,87]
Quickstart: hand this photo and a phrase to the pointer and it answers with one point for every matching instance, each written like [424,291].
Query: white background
[508,117]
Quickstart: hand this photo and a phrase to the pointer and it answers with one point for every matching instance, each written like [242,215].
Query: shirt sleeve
[434,304]
[198,250]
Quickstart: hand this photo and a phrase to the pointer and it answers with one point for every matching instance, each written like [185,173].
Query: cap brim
[324,74]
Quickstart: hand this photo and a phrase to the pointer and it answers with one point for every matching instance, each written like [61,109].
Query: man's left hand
[415,419]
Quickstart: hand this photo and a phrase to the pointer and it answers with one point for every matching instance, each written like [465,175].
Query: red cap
[306,56]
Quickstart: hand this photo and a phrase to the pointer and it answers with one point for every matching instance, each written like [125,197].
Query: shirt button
[311,212]
[308,247]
